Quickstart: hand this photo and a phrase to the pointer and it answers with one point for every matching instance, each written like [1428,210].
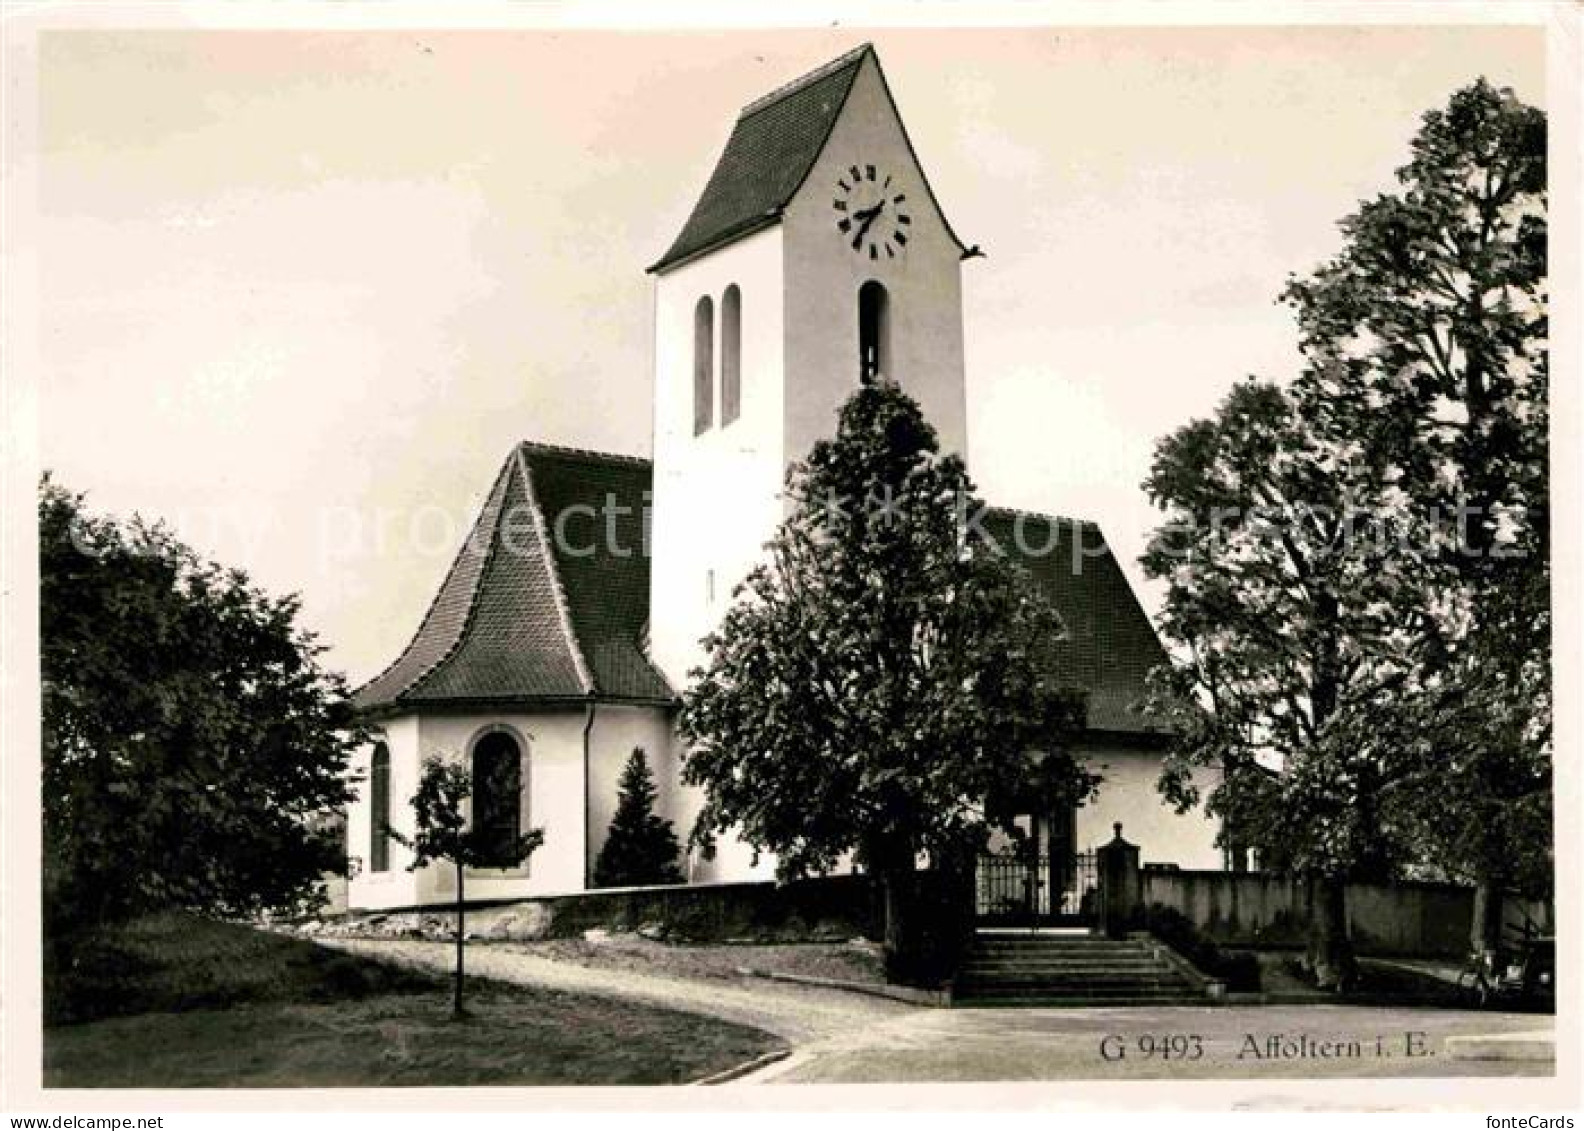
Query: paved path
[1203,1042]
[843,1037]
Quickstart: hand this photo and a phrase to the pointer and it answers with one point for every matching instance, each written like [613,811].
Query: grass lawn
[182,1002]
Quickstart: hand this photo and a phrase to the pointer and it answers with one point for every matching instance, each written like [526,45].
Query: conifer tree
[641,847]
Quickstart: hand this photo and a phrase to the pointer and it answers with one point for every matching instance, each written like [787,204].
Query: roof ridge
[553,566]
[773,146]
[440,589]
[588,453]
[1020,511]
[845,59]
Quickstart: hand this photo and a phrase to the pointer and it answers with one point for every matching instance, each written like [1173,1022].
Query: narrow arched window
[703,365]
[379,809]
[731,355]
[874,331]
[497,798]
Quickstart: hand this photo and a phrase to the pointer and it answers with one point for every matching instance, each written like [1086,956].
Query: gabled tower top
[773,146]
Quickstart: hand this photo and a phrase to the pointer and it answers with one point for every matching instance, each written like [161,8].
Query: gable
[778,141]
[870,131]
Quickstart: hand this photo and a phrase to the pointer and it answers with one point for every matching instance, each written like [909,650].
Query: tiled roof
[607,591]
[771,150]
[527,615]
[548,600]
[1110,645]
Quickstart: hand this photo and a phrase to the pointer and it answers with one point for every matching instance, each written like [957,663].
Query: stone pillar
[1120,886]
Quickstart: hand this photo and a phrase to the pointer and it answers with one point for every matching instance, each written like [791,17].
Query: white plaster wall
[553,787]
[733,861]
[395,887]
[554,800]
[823,275]
[1128,794]
[716,495]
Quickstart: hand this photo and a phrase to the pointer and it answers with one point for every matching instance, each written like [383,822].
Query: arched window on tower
[379,809]
[703,365]
[731,355]
[874,331]
[497,797]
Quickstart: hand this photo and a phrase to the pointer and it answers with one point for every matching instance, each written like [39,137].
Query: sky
[302,291]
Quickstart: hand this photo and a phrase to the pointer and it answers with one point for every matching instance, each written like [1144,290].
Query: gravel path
[840,1037]
[800,1014]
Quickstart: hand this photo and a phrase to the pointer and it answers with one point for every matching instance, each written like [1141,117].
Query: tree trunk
[896,883]
[456,993]
[1330,958]
[1486,929]
[890,859]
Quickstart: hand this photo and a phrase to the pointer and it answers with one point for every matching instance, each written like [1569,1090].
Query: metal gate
[1021,890]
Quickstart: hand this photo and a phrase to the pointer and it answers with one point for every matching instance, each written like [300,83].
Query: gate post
[1120,887]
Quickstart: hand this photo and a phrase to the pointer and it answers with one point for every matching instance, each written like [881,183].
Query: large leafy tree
[1400,676]
[1426,337]
[193,745]
[1285,597]
[879,684]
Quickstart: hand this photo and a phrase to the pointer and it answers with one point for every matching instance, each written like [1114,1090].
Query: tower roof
[771,150]
[774,144]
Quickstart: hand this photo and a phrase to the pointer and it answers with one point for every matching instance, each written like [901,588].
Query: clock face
[871,212]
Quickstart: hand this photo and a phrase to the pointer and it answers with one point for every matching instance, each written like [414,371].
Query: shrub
[1240,970]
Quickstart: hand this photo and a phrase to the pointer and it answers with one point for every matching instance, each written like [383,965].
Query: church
[816,257]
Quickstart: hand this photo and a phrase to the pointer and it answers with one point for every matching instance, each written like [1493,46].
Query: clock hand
[869,215]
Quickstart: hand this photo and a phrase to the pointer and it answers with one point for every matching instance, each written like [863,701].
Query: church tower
[816,258]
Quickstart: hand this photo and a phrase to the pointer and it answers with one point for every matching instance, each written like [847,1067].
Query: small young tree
[641,847]
[444,833]
[880,685]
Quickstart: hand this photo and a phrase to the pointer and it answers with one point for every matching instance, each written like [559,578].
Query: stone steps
[1035,962]
[1069,970]
[1074,1001]
[1062,946]
[1035,973]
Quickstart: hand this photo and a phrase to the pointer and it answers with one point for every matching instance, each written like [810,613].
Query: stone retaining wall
[1259,910]
[829,908]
